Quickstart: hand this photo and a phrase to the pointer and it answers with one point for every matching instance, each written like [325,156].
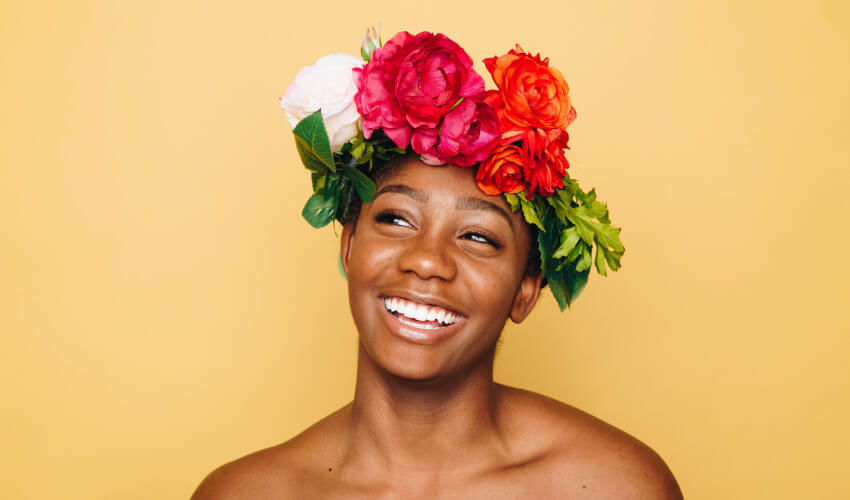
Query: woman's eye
[392,218]
[480,238]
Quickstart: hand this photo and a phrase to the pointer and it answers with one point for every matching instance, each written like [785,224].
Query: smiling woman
[433,244]
[438,259]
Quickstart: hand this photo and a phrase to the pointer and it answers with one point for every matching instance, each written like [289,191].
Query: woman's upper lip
[427,300]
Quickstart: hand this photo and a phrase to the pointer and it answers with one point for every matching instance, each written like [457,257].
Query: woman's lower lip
[405,328]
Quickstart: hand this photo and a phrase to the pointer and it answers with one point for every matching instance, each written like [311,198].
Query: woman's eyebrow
[420,196]
[462,203]
[472,203]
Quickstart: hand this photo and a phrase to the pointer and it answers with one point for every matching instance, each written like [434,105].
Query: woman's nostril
[429,258]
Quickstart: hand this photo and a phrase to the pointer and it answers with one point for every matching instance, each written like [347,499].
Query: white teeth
[440,316]
[421,313]
[409,310]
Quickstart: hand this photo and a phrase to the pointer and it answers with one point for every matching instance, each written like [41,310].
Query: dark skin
[427,419]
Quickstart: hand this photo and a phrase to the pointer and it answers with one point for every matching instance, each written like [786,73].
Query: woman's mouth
[425,317]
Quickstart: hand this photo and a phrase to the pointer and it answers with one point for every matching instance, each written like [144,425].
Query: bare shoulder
[288,470]
[578,452]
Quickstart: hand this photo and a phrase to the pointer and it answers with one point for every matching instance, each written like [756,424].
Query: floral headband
[419,93]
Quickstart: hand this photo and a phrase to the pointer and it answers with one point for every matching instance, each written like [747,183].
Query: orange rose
[503,171]
[530,95]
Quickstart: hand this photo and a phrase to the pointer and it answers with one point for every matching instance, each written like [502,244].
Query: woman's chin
[411,366]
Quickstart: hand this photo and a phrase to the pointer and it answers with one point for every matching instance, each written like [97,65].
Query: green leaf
[576,251]
[364,185]
[600,261]
[569,239]
[331,190]
[553,278]
[513,201]
[559,206]
[318,179]
[530,213]
[568,285]
[584,260]
[575,283]
[606,256]
[358,150]
[577,223]
[314,147]
[319,211]
[344,195]
[559,288]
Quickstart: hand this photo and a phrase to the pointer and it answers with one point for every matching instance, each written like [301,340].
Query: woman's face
[435,267]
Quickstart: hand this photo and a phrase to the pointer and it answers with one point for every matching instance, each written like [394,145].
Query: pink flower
[469,134]
[410,84]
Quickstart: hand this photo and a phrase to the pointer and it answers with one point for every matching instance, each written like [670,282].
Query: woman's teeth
[419,312]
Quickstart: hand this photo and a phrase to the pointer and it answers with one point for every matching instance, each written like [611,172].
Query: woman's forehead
[445,185]
[443,180]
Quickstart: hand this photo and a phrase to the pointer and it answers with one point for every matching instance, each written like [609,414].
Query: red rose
[411,83]
[468,134]
[375,99]
[434,74]
[530,95]
[503,172]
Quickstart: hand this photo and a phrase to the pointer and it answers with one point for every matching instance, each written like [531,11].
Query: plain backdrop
[164,308]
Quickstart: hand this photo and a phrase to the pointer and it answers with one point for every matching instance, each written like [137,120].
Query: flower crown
[419,93]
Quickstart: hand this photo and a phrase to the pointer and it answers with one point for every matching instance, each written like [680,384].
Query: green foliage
[337,176]
[530,212]
[314,147]
[363,185]
[573,223]
[319,211]
[513,201]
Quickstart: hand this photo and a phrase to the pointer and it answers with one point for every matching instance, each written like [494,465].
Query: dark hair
[381,171]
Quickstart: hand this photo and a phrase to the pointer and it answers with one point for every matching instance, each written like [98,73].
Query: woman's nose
[429,256]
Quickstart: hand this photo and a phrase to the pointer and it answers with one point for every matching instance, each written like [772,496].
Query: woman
[435,267]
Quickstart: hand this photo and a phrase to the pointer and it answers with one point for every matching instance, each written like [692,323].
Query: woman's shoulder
[574,450]
[276,471]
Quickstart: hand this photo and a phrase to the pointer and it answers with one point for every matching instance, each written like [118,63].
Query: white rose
[327,85]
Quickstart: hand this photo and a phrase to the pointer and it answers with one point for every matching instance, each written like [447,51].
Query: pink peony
[410,84]
[469,134]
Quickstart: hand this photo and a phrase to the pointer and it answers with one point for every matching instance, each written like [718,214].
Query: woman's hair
[381,171]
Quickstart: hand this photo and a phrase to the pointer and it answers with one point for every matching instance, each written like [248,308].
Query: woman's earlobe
[526,297]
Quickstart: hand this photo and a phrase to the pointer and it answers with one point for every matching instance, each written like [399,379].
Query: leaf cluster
[571,223]
[338,176]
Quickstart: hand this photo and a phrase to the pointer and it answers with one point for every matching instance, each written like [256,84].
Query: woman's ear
[526,297]
[345,246]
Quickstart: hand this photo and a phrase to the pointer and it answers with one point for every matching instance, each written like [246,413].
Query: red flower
[530,95]
[375,99]
[503,172]
[468,134]
[547,163]
[411,83]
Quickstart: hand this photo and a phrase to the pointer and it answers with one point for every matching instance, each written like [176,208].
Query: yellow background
[164,308]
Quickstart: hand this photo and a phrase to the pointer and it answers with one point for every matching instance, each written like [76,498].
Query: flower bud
[371,41]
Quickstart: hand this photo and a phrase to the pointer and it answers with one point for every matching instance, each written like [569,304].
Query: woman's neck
[427,427]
